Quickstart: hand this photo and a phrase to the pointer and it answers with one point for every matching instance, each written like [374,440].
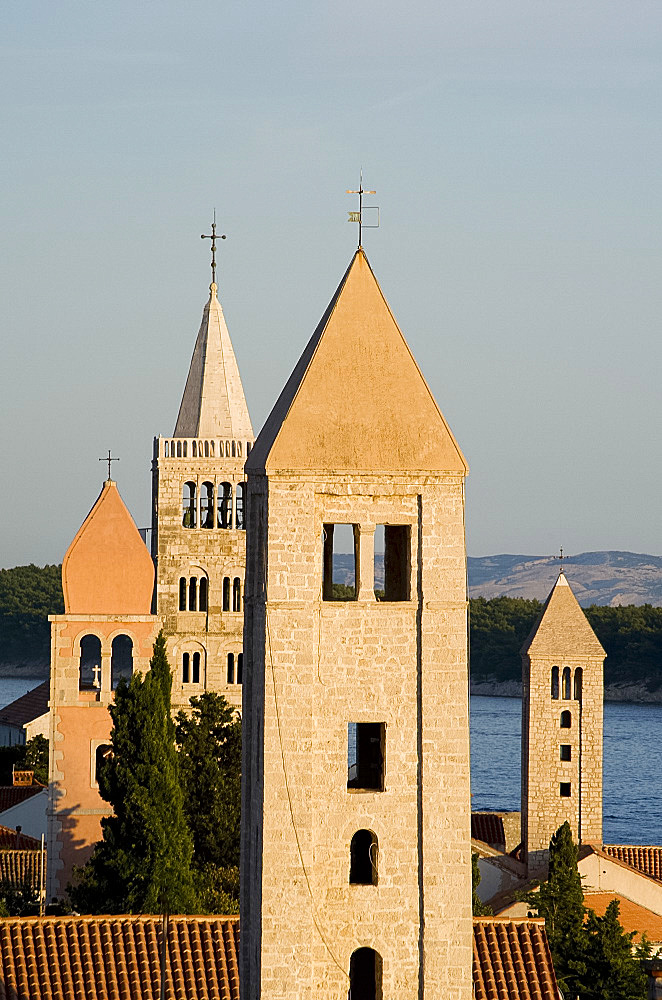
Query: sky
[515,150]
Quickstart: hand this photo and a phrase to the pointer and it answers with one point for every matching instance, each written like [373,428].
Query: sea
[632,765]
[632,779]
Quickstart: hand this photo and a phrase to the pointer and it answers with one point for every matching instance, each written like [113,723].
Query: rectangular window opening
[339,576]
[564,790]
[392,562]
[566,751]
[366,745]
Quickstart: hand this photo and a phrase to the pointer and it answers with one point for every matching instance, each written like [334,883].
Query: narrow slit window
[340,556]
[207,505]
[195,672]
[236,594]
[365,975]
[193,594]
[565,790]
[121,659]
[392,562]
[225,505]
[579,677]
[230,668]
[566,720]
[102,754]
[202,594]
[89,668]
[240,667]
[226,593]
[566,752]
[182,593]
[188,505]
[186,668]
[239,501]
[566,684]
[555,683]
[363,858]
[365,755]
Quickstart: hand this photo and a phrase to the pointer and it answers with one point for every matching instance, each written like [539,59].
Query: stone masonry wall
[314,666]
[213,553]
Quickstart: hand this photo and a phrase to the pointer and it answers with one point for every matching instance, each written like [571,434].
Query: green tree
[28,595]
[209,740]
[614,973]
[478,907]
[143,862]
[560,900]
[592,955]
[30,756]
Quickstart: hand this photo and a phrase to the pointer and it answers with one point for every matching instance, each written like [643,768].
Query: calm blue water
[632,765]
[12,688]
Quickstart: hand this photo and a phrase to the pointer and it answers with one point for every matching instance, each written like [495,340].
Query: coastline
[634,693]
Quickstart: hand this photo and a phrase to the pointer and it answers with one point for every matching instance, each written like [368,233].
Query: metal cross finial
[358,216]
[561,557]
[213,237]
[109,460]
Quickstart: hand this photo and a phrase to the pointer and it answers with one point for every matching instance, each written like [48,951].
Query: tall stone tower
[562,698]
[198,519]
[355,802]
[105,633]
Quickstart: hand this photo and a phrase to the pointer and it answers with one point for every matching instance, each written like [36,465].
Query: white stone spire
[213,404]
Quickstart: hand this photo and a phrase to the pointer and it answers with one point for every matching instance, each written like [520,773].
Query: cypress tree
[143,862]
[614,972]
[560,900]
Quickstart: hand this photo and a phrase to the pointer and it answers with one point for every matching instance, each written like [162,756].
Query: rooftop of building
[17,840]
[119,956]
[213,403]
[26,708]
[11,795]
[646,860]
[512,960]
[356,400]
[632,916]
[562,630]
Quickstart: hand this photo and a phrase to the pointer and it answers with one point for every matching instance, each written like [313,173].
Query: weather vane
[213,237]
[358,216]
[109,460]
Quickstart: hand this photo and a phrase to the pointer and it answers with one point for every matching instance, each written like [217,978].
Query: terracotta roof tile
[632,916]
[26,708]
[11,795]
[488,827]
[647,860]
[19,867]
[512,961]
[10,840]
[118,958]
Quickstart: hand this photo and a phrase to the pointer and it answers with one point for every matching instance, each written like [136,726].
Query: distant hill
[609,578]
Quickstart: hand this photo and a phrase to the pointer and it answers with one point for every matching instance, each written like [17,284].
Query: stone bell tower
[355,800]
[562,701]
[198,518]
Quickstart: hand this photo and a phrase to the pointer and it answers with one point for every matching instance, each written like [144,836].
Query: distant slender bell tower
[355,817]
[562,699]
[198,517]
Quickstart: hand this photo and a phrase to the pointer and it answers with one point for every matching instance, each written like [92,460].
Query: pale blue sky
[516,151]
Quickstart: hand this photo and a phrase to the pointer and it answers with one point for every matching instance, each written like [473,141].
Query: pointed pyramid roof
[356,400]
[213,404]
[107,569]
[562,630]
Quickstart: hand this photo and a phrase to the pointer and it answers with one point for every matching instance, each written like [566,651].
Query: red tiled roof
[647,860]
[26,708]
[21,867]
[512,961]
[488,827]
[11,795]
[10,840]
[98,958]
[632,916]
